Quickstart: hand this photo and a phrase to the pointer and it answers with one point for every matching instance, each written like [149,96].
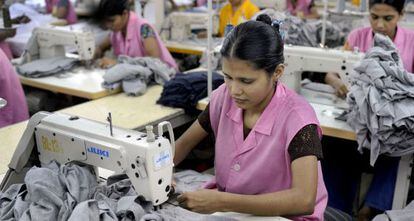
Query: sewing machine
[146,158]
[47,42]
[181,24]
[299,59]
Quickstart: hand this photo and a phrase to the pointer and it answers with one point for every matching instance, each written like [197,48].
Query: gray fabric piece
[381,102]
[136,73]
[190,180]
[314,86]
[46,67]
[54,192]
[46,194]
[297,31]
[170,212]
[92,210]
[12,205]
[128,209]
[406,214]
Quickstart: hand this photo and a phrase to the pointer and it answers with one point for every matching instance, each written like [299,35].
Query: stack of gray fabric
[46,67]
[134,74]
[308,32]
[406,214]
[381,102]
[71,192]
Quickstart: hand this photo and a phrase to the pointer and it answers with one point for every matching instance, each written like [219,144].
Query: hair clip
[277,24]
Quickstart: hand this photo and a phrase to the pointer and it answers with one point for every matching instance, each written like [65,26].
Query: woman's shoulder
[363,31]
[407,32]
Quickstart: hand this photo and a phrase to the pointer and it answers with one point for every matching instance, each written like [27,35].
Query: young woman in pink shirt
[131,35]
[302,8]
[62,9]
[266,136]
[343,166]
[10,89]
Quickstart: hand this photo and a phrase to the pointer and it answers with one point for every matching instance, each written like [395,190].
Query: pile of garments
[46,67]
[185,90]
[307,32]
[71,192]
[381,101]
[134,74]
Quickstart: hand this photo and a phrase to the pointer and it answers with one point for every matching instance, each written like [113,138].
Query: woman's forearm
[290,202]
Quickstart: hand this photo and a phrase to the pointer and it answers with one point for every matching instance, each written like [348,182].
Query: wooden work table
[79,82]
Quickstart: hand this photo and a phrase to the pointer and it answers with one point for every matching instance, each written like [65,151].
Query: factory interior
[205,110]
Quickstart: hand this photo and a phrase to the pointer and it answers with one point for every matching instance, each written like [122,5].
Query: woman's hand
[340,88]
[201,201]
[106,62]
[23,19]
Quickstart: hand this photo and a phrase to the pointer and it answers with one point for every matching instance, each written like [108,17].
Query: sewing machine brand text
[100,152]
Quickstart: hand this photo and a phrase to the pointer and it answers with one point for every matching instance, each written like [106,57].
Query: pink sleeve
[352,38]
[216,106]
[212,184]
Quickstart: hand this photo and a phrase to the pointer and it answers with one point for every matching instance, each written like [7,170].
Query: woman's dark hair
[397,4]
[109,8]
[257,42]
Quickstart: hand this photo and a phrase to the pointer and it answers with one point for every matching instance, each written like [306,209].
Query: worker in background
[11,90]
[267,142]
[236,12]
[9,33]
[341,177]
[62,9]
[131,35]
[304,9]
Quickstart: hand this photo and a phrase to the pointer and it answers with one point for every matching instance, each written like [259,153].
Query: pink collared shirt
[5,47]
[301,6]
[71,16]
[362,39]
[132,45]
[10,89]
[260,163]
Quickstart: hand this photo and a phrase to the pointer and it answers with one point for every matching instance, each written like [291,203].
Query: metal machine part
[3,103]
[182,23]
[146,158]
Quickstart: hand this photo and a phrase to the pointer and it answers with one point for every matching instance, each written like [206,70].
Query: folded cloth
[46,67]
[185,90]
[135,74]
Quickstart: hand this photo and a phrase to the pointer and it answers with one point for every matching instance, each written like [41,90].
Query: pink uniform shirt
[301,6]
[71,16]
[362,38]
[201,2]
[5,47]
[260,163]
[133,46]
[11,90]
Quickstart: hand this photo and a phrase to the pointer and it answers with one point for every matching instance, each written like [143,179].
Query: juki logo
[98,151]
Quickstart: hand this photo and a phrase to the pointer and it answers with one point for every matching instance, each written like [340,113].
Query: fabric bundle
[308,32]
[134,74]
[381,102]
[71,192]
[185,90]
